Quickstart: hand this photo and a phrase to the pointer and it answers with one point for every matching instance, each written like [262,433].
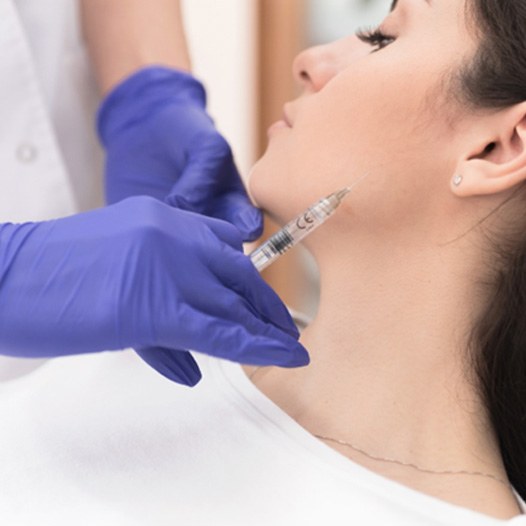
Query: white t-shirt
[105,440]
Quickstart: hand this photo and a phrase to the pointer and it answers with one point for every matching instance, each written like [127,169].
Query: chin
[285,181]
[267,192]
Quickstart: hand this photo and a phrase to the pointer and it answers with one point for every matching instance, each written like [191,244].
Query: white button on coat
[26,153]
[50,159]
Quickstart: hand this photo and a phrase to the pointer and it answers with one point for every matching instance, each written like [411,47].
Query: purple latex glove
[160,142]
[139,274]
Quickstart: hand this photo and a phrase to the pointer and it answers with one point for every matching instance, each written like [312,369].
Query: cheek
[301,165]
[320,155]
[356,125]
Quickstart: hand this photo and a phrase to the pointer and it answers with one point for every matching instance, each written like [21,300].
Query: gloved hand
[160,142]
[139,274]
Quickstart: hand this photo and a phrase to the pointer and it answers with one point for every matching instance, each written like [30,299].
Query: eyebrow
[395,2]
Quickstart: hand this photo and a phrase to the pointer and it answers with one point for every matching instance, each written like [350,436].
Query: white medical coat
[50,158]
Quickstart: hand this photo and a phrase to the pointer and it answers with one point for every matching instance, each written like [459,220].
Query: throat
[383,452]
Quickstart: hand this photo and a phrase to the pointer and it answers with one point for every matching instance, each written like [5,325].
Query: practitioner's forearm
[125,35]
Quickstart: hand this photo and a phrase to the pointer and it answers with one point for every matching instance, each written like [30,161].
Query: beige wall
[223,42]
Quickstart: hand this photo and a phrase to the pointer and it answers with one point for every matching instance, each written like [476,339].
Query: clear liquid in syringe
[297,229]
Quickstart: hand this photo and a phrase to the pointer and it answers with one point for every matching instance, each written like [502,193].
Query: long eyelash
[372,36]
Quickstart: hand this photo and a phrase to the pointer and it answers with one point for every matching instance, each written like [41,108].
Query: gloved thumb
[217,191]
[178,366]
[244,215]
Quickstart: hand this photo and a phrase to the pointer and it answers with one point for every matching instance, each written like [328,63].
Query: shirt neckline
[286,429]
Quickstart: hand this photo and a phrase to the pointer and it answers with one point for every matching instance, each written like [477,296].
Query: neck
[387,371]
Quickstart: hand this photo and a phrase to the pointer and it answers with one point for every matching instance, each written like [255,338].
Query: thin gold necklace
[408,464]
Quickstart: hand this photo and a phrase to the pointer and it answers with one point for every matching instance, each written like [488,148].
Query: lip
[278,125]
[286,117]
[283,123]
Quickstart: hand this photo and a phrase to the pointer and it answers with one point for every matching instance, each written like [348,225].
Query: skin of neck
[387,348]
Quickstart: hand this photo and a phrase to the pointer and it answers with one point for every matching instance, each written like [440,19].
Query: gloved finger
[240,276]
[210,171]
[178,366]
[261,351]
[224,231]
[248,340]
[212,186]
[196,187]
[236,208]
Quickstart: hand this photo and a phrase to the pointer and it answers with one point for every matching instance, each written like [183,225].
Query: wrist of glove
[161,142]
[139,274]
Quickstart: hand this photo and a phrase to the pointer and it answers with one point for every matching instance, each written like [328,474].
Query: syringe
[299,228]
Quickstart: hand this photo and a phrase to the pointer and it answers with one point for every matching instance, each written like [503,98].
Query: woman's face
[379,108]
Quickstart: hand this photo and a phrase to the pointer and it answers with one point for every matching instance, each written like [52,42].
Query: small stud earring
[458,180]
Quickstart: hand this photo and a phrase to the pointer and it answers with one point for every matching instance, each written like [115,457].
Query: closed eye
[375,37]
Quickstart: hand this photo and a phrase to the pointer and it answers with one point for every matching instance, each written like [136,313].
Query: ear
[497,162]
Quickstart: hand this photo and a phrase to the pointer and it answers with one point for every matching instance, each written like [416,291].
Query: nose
[316,66]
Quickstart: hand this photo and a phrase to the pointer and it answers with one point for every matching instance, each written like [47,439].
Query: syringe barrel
[312,218]
[293,232]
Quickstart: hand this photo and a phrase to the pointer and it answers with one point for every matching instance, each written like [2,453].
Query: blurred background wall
[224,41]
[243,51]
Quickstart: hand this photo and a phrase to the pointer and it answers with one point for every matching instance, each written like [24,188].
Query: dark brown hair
[496,78]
